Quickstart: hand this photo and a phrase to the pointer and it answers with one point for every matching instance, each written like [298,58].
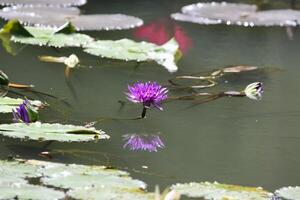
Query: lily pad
[79,182]
[129,50]
[26,191]
[79,176]
[52,132]
[7,104]
[219,191]
[13,183]
[61,37]
[236,14]
[43,2]
[43,16]
[109,194]
[289,193]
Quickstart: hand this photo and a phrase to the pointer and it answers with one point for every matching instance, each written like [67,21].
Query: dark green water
[230,140]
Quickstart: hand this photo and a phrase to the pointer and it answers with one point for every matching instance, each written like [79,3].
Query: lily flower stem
[143,115]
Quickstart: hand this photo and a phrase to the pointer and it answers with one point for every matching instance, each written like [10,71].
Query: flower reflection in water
[161,31]
[150,143]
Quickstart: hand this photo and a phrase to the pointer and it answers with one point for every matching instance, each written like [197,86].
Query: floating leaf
[236,14]
[56,17]
[79,176]
[79,182]
[219,191]
[224,11]
[284,17]
[57,132]
[45,36]
[7,104]
[43,2]
[13,183]
[126,49]
[39,13]
[289,193]
[109,194]
[25,191]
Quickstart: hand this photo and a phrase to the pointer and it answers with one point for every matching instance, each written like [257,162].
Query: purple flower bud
[148,143]
[25,113]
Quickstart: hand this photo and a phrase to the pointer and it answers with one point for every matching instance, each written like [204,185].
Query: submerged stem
[143,115]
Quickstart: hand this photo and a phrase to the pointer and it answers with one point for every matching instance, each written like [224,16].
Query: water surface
[230,140]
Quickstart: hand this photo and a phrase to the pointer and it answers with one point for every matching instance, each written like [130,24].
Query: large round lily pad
[52,132]
[289,193]
[109,194]
[60,180]
[236,14]
[219,191]
[43,2]
[54,17]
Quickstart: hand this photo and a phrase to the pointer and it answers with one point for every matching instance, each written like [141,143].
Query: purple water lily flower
[150,94]
[148,143]
[25,113]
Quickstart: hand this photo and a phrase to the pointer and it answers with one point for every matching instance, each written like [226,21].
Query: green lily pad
[289,193]
[129,50]
[219,191]
[27,191]
[109,194]
[7,104]
[77,181]
[43,2]
[236,14]
[46,36]
[13,183]
[79,176]
[53,132]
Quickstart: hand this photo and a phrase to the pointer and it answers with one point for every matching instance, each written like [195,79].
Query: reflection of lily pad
[128,50]
[289,193]
[56,17]
[236,14]
[98,182]
[57,132]
[219,191]
[7,104]
[43,2]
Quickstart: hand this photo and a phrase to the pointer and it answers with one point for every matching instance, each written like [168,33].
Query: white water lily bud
[172,195]
[254,90]
[71,61]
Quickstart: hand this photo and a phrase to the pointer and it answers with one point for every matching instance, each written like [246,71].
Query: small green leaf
[54,132]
